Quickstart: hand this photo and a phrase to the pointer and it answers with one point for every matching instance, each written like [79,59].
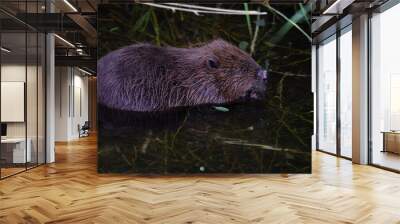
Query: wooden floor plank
[71,191]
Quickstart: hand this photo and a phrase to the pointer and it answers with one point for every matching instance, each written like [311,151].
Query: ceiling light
[326,11]
[84,71]
[65,41]
[338,6]
[5,50]
[70,5]
[79,51]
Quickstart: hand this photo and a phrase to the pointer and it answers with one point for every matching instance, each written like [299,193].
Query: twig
[289,74]
[233,141]
[209,10]
[214,9]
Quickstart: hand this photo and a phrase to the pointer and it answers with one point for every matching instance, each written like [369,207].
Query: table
[15,148]
[391,141]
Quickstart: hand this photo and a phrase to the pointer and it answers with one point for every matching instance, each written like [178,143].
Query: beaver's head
[236,74]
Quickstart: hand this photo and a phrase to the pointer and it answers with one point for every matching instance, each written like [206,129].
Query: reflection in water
[214,139]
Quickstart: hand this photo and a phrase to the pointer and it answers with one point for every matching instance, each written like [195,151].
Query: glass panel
[385,89]
[41,98]
[346,94]
[23,91]
[13,90]
[327,96]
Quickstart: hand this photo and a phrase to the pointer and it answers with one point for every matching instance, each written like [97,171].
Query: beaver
[147,78]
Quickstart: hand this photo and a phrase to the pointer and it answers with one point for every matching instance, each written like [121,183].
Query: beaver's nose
[262,74]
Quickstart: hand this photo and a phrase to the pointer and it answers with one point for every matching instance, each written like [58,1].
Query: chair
[84,130]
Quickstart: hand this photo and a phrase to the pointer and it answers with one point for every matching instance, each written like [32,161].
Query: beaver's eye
[212,63]
[244,68]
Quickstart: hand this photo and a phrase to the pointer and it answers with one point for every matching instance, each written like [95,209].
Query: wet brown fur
[144,77]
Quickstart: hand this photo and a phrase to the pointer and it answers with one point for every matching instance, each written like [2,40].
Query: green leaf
[114,29]
[156,27]
[243,45]
[248,20]
[142,22]
[222,109]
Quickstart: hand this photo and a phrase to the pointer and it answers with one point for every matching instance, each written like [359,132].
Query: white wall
[71,102]
[62,82]
[80,110]
[16,72]
[33,126]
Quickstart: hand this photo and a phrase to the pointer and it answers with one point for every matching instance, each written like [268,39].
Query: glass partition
[13,105]
[22,93]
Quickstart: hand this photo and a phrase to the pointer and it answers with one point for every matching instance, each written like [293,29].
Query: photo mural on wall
[210,88]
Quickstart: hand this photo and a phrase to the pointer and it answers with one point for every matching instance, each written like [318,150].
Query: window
[334,136]
[327,95]
[385,89]
[346,75]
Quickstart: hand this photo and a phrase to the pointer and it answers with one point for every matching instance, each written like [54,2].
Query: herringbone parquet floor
[71,191]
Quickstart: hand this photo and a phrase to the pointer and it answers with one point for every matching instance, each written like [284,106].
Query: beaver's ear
[212,63]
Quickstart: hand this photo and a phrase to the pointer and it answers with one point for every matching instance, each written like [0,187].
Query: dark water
[249,138]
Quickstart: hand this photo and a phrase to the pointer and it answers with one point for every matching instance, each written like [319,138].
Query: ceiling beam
[80,20]
[81,61]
